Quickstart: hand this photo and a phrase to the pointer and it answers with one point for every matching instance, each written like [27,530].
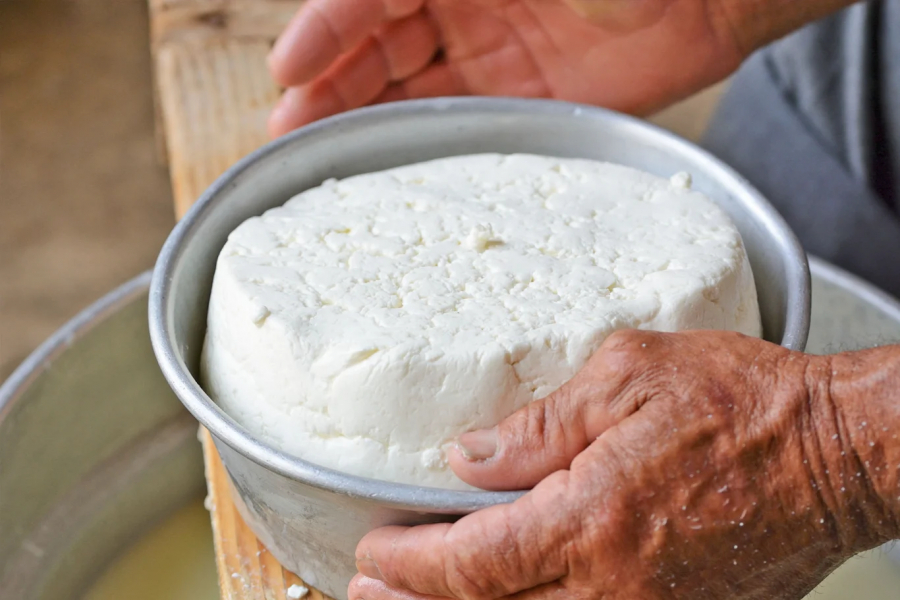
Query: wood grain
[247,571]
[213,96]
[200,20]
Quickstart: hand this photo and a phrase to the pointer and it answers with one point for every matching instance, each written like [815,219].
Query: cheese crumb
[434,459]
[297,591]
[681,180]
[259,317]
[481,237]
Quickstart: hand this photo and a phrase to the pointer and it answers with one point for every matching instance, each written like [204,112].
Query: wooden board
[246,568]
[213,89]
[213,96]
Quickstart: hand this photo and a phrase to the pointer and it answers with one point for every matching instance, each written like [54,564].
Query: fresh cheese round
[369,321]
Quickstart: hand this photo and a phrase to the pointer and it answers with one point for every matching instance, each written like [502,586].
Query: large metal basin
[94,449]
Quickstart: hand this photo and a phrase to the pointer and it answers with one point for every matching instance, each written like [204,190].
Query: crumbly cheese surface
[369,321]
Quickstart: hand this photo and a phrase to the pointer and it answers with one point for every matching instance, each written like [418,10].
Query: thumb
[544,436]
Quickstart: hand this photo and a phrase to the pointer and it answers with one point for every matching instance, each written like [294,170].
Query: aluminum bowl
[311,517]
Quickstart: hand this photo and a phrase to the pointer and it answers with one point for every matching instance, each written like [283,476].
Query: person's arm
[692,465]
[632,55]
[860,406]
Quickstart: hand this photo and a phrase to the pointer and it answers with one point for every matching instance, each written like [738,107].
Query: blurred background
[85,202]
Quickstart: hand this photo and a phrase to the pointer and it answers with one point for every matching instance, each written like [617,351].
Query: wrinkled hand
[631,55]
[690,465]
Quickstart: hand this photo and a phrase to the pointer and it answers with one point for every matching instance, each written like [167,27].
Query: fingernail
[478,445]
[369,568]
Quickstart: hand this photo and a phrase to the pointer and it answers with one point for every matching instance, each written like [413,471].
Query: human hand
[631,55]
[690,465]
[635,56]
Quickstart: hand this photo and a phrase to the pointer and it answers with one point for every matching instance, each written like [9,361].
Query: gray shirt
[814,122]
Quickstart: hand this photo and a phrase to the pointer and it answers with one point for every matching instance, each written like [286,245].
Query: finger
[554,589]
[364,588]
[322,30]
[393,93]
[293,110]
[358,78]
[437,80]
[401,48]
[491,553]
[406,45]
[545,435]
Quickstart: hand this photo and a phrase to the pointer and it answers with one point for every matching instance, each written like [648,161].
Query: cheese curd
[368,322]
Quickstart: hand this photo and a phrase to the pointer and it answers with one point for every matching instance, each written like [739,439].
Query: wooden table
[213,94]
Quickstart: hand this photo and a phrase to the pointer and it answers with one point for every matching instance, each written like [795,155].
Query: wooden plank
[247,571]
[181,21]
[199,21]
[213,97]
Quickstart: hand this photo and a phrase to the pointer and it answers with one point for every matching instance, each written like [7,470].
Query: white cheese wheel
[369,321]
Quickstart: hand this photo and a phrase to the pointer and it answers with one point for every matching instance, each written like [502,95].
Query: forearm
[859,433]
[755,23]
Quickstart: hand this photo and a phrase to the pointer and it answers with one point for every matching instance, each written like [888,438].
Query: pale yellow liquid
[175,562]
